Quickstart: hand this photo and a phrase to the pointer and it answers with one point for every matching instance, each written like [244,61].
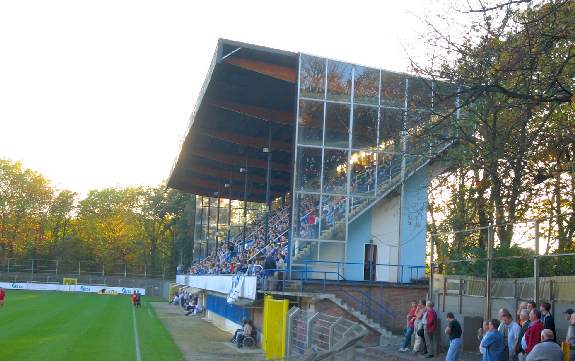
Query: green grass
[58,326]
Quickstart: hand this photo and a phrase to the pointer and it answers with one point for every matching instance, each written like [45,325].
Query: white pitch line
[136,338]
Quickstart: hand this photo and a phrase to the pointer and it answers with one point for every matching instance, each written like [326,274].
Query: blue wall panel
[414,224]
[232,312]
[359,234]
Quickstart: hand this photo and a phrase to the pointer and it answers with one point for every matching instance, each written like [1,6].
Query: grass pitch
[58,326]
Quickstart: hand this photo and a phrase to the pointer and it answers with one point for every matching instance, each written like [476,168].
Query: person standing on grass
[454,332]
[2,297]
[408,332]
[134,298]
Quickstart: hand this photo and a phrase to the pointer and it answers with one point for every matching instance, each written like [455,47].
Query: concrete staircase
[386,337]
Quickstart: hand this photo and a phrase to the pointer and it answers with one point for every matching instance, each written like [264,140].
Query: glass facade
[220,219]
[360,131]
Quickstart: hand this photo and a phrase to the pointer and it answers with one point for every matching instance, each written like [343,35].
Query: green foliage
[143,225]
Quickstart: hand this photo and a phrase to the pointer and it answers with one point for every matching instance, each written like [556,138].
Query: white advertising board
[222,284]
[70,288]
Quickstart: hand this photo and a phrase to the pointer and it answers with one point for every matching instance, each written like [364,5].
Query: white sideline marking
[136,338]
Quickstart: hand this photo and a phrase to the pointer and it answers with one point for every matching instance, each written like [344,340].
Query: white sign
[70,288]
[221,284]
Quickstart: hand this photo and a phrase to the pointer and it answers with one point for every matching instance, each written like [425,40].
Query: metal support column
[431,266]
[218,223]
[268,150]
[245,172]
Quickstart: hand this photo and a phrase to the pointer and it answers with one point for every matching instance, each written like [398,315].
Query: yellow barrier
[566,351]
[274,327]
[70,281]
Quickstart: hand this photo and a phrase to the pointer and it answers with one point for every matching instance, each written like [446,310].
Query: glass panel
[338,81]
[310,122]
[312,77]
[364,132]
[333,217]
[335,171]
[419,93]
[306,216]
[390,125]
[337,125]
[332,252]
[444,98]
[308,168]
[356,204]
[366,88]
[388,167]
[303,251]
[418,132]
[392,89]
[363,172]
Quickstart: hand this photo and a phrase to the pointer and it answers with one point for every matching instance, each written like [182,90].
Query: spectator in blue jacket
[492,342]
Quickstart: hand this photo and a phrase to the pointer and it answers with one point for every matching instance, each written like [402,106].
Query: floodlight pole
[536,264]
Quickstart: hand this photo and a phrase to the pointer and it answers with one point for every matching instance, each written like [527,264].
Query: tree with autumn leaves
[133,225]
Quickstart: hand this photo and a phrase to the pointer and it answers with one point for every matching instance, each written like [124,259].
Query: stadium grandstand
[311,179]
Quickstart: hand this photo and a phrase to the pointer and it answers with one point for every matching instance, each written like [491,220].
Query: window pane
[310,122]
[363,172]
[388,170]
[419,93]
[335,171]
[337,125]
[333,217]
[306,216]
[444,98]
[356,204]
[418,133]
[312,77]
[308,168]
[390,125]
[332,252]
[366,88]
[303,251]
[364,132]
[392,89]
[338,81]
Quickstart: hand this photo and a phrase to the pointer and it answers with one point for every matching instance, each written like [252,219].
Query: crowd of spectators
[249,257]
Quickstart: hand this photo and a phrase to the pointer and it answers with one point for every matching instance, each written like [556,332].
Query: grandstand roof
[249,91]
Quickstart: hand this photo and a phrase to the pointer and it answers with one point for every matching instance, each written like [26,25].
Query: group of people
[237,257]
[187,301]
[421,320]
[136,298]
[530,337]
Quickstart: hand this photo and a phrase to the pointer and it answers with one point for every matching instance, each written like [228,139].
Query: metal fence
[84,268]
[318,336]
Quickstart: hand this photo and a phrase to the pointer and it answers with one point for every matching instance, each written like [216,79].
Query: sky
[98,94]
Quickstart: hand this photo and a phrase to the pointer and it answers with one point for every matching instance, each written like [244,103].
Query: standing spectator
[408,332]
[510,330]
[492,342]
[547,349]
[531,305]
[547,318]
[430,327]
[524,319]
[2,297]
[571,335]
[533,334]
[453,330]
[419,344]
[522,306]
[481,332]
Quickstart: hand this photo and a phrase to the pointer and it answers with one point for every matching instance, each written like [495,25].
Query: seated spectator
[240,334]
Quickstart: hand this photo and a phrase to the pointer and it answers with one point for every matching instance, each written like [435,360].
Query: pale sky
[98,93]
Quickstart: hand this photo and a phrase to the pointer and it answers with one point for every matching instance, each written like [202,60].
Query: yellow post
[274,327]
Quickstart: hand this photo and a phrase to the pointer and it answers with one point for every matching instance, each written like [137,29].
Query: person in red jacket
[430,325]
[533,334]
[2,297]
